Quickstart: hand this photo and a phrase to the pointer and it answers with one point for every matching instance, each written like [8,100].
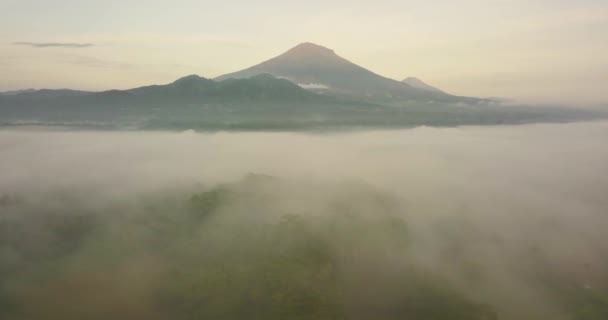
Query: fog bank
[513,217]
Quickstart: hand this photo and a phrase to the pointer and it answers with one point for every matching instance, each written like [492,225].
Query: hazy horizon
[541,51]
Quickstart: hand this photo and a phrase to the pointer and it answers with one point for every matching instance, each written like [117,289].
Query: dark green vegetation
[227,253]
[237,251]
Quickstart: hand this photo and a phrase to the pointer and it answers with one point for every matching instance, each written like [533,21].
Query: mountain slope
[189,89]
[320,68]
[195,89]
[419,84]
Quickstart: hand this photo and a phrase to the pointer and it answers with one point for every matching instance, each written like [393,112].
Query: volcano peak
[309,49]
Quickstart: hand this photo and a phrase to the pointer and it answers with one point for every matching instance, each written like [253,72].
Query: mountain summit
[308,49]
[320,69]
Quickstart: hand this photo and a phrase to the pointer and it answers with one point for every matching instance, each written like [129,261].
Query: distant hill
[11,93]
[321,69]
[419,84]
[189,89]
[194,88]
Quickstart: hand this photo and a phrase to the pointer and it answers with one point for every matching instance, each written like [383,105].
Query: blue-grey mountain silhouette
[321,69]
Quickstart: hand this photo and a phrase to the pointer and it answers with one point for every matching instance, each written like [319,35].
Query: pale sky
[530,50]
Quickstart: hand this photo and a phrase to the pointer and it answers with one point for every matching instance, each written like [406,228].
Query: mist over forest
[426,223]
[303,160]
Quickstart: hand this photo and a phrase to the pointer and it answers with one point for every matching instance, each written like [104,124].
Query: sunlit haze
[534,51]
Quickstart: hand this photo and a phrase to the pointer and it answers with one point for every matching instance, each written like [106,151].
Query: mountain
[321,69]
[419,84]
[308,87]
[12,93]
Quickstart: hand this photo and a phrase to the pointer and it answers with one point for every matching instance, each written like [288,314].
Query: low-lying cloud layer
[512,217]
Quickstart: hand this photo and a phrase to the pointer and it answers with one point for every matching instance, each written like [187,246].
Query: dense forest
[260,248]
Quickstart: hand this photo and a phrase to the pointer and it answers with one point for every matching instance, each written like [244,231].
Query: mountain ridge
[261,102]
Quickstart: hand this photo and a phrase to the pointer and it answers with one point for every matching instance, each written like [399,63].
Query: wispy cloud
[53,44]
